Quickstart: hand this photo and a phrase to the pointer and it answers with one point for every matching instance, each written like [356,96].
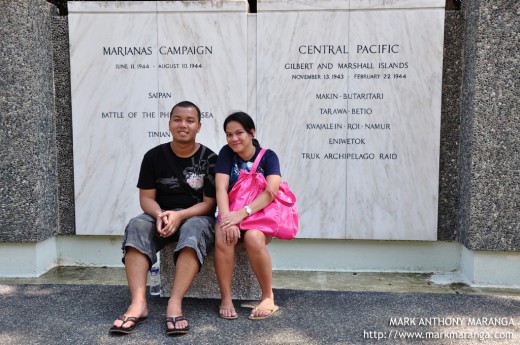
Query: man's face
[184,124]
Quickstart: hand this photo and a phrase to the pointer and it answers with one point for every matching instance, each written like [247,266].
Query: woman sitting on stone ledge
[239,154]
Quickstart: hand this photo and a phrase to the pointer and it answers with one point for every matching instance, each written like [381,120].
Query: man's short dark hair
[185,104]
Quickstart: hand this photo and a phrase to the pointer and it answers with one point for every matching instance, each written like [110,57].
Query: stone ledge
[245,285]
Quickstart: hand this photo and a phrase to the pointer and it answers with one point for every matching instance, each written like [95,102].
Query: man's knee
[187,252]
[129,250]
[140,238]
[132,251]
[140,224]
[186,257]
[199,222]
[197,232]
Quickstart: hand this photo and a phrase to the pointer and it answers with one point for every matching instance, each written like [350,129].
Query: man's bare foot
[174,310]
[134,310]
[128,322]
[175,329]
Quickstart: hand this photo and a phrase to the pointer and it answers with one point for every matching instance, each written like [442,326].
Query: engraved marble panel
[395,196]
[130,63]
[108,142]
[353,109]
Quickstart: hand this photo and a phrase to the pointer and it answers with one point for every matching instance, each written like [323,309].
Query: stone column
[62,101]
[449,205]
[490,127]
[28,137]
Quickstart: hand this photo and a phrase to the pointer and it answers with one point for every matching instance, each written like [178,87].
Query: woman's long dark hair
[245,120]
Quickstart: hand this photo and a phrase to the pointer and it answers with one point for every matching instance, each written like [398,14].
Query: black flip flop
[127,330]
[175,330]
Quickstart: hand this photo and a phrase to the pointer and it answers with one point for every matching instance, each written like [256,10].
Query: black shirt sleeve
[147,173]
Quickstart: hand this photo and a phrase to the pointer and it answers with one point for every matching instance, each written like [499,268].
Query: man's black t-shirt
[198,171]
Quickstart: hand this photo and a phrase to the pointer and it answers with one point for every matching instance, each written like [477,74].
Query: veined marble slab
[346,92]
[350,100]
[130,63]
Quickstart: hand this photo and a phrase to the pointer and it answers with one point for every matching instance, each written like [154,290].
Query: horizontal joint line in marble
[351,10]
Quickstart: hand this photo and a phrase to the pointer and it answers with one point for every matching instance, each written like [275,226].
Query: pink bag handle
[253,170]
[257,160]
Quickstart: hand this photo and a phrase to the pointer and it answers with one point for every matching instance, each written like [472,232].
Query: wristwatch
[248,210]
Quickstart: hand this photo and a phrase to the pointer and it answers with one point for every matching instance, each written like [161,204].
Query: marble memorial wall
[351,101]
[130,63]
[348,94]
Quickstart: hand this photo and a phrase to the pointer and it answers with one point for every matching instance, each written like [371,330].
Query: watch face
[248,210]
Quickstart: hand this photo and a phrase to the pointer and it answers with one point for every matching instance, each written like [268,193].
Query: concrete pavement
[78,305]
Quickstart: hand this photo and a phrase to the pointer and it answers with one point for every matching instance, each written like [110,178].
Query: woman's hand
[231,234]
[229,219]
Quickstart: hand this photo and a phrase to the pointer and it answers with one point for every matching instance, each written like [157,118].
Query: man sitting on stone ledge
[177,194]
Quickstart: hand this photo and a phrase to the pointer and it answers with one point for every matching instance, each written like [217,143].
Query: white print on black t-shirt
[196,181]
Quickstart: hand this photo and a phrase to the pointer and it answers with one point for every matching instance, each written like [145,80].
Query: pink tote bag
[279,218]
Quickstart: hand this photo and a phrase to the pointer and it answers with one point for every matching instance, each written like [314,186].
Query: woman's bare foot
[227,312]
[264,310]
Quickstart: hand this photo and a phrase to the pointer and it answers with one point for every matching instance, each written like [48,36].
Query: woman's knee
[221,246]
[254,240]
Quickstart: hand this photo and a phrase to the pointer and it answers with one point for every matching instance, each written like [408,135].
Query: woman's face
[237,138]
